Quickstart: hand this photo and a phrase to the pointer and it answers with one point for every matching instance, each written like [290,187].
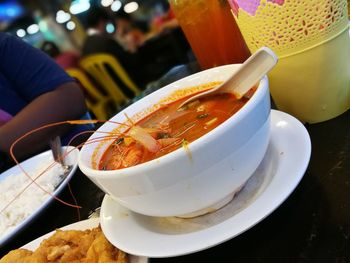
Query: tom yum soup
[169,128]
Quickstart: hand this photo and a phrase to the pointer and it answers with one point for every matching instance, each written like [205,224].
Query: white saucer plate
[29,166]
[281,170]
[81,225]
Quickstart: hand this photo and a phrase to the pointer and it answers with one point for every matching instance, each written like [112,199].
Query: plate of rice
[21,200]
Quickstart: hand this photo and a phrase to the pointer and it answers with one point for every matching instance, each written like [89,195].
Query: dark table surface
[312,225]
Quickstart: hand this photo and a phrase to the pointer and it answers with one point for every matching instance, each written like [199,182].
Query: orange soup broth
[168,123]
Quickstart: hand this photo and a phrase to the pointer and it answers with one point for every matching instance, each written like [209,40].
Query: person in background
[66,59]
[35,91]
[161,24]
[99,41]
[128,33]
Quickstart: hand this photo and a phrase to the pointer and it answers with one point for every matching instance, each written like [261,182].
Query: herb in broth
[166,130]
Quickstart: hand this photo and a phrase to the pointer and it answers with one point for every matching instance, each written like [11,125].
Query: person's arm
[43,94]
[64,103]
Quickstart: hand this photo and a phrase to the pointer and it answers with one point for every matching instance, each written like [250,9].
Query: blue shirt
[26,73]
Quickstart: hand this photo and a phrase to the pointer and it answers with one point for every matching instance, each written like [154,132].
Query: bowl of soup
[157,159]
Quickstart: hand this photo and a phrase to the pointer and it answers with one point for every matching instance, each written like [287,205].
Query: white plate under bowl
[281,170]
[81,225]
[29,165]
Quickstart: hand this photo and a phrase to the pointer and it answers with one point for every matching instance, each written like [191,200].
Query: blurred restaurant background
[61,27]
[64,21]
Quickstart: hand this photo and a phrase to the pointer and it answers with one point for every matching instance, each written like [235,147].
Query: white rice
[30,200]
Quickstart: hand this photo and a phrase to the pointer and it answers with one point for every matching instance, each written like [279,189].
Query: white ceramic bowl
[174,184]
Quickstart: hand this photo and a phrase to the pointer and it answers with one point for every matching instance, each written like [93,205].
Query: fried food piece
[72,246]
[16,256]
[66,246]
[101,251]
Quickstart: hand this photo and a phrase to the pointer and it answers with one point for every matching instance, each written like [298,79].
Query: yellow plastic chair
[101,105]
[99,66]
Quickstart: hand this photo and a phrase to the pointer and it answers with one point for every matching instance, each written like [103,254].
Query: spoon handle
[247,75]
[251,71]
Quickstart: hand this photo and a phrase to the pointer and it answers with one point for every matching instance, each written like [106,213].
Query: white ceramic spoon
[251,71]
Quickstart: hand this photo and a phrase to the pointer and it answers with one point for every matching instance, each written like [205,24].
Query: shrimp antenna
[71,122]
[33,180]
